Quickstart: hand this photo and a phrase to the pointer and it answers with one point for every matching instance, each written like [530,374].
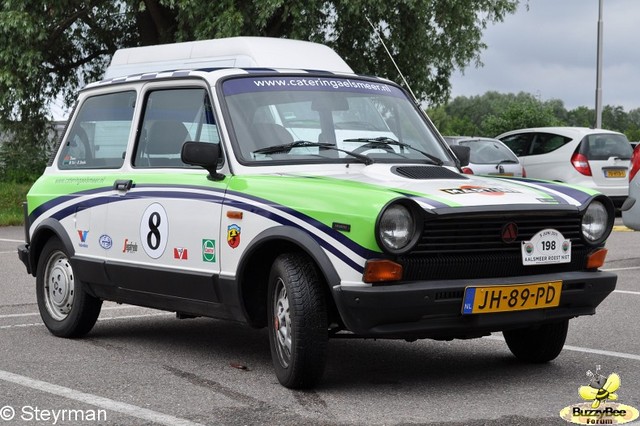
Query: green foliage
[520,115]
[494,113]
[56,47]
[11,197]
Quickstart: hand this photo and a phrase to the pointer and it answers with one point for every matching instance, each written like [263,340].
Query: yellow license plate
[616,173]
[521,297]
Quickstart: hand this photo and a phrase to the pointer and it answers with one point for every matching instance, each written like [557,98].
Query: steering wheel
[373,145]
[78,144]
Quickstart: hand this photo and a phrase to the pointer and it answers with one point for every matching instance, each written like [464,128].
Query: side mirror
[463,153]
[202,154]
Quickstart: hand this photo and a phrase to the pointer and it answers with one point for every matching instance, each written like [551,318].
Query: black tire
[67,310]
[298,331]
[537,344]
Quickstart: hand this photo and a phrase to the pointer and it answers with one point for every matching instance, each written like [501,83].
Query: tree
[58,46]
[520,115]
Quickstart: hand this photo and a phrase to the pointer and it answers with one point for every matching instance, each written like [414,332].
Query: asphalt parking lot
[140,366]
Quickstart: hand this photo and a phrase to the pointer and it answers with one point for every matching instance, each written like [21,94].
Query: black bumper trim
[419,310]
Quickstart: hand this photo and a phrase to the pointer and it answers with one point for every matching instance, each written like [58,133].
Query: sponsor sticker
[473,189]
[129,246]
[180,253]
[105,241]
[83,238]
[208,250]
[233,235]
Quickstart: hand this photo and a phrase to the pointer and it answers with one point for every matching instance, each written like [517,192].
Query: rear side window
[604,146]
[100,133]
[544,143]
[519,143]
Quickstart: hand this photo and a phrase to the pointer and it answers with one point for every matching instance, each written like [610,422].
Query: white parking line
[30,314]
[637,293]
[630,268]
[7,240]
[3,327]
[95,400]
[584,350]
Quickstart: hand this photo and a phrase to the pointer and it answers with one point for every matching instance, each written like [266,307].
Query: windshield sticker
[301,83]
[471,189]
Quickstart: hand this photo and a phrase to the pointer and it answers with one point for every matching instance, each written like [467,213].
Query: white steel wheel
[298,331]
[66,308]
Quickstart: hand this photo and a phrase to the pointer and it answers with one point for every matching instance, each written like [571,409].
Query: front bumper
[23,255]
[433,309]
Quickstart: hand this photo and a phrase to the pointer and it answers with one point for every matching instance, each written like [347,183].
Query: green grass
[12,195]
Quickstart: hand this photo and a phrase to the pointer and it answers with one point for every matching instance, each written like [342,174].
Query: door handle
[122,184]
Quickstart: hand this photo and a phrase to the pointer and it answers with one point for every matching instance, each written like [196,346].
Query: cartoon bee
[601,388]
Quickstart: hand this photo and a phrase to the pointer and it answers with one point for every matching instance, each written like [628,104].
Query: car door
[164,217]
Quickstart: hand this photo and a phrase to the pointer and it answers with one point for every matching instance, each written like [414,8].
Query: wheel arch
[255,265]
[47,229]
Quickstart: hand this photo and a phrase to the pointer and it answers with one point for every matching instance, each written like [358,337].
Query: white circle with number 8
[154,230]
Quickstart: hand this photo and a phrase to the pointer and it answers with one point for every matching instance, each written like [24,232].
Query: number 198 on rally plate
[489,299]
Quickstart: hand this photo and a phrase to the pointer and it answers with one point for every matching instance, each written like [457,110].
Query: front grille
[471,246]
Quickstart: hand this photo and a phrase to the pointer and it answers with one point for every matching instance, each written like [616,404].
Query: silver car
[631,206]
[488,157]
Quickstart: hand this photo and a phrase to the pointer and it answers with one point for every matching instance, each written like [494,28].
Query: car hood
[438,187]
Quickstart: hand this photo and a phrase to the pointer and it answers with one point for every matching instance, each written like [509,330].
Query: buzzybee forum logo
[599,410]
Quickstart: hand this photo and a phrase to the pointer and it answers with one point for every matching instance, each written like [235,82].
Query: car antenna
[392,60]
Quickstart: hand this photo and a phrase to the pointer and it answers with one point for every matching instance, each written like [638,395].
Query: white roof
[241,52]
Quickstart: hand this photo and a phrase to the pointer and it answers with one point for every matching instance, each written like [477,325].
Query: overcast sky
[550,51]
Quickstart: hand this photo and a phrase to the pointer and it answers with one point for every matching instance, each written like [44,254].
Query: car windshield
[486,151]
[306,119]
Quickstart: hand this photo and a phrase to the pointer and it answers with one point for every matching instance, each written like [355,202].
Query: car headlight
[596,223]
[397,228]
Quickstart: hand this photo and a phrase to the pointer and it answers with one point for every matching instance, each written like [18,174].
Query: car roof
[233,52]
[569,131]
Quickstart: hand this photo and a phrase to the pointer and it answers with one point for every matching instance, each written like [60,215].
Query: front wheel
[67,310]
[537,344]
[298,333]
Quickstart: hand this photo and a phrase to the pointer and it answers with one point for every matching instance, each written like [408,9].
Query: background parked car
[488,157]
[631,207]
[594,158]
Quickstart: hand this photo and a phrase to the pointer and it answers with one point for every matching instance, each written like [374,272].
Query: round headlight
[396,228]
[595,222]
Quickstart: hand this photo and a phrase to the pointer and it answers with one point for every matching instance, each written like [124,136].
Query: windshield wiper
[285,148]
[383,141]
[507,161]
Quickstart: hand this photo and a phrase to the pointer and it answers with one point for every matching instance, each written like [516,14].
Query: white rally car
[261,181]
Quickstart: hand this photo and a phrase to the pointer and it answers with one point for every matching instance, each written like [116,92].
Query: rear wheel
[298,333]
[67,310]
[537,344]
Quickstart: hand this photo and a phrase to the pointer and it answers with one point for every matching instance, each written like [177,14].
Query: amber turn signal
[596,258]
[378,270]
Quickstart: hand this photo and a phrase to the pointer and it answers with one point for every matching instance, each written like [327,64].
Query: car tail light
[635,164]
[581,164]
[467,171]
[524,172]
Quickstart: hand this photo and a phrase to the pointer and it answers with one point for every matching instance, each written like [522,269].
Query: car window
[605,146]
[99,136]
[519,143]
[547,142]
[172,117]
[489,152]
